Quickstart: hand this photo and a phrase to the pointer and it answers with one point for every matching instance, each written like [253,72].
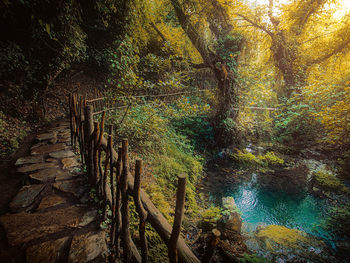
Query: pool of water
[266,207]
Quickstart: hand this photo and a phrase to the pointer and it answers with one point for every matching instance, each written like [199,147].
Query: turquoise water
[266,207]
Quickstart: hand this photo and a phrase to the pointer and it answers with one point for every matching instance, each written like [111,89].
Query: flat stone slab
[51,160]
[89,217]
[88,247]
[46,174]
[24,227]
[61,154]
[52,200]
[66,176]
[35,167]
[30,160]
[26,196]
[47,136]
[48,148]
[69,163]
[48,252]
[71,186]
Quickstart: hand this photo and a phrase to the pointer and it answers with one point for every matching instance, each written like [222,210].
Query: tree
[290,38]
[222,61]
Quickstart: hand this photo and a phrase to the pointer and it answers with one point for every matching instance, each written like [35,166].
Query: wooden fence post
[179,211]
[101,175]
[71,117]
[140,210]
[117,217]
[214,240]
[89,129]
[95,155]
[125,206]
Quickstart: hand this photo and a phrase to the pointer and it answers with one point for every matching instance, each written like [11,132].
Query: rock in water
[233,220]
[278,243]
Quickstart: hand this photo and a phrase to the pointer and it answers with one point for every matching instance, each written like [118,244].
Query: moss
[270,159]
[282,236]
[328,180]
[247,159]
[210,217]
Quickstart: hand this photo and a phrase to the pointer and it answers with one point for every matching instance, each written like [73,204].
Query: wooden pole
[117,218]
[125,206]
[140,210]
[101,175]
[95,154]
[213,242]
[107,161]
[111,181]
[179,211]
[71,117]
[157,220]
[89,129]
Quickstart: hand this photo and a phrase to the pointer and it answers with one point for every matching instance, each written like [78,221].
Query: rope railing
[87,136]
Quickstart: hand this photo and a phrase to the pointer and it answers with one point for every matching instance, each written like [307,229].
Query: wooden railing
[87,136]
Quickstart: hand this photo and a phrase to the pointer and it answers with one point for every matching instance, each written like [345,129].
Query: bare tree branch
[255,24]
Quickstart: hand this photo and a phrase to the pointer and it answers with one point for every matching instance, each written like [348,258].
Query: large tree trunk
[227,109]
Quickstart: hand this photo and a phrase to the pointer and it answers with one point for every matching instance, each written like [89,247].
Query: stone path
[50,217]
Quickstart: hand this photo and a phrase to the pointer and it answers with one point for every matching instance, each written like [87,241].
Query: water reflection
[265,207]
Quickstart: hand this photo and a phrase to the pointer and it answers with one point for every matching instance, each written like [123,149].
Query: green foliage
[124,60]
[210,217]
[252,258]
[228,47]
[9,140]
[178,158]
[295,125]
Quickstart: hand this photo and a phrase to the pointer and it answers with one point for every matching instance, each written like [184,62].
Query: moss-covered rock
[328,181]
[278,243]
[283,236]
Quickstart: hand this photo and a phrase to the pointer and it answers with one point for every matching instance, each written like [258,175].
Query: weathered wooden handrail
[90,137]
